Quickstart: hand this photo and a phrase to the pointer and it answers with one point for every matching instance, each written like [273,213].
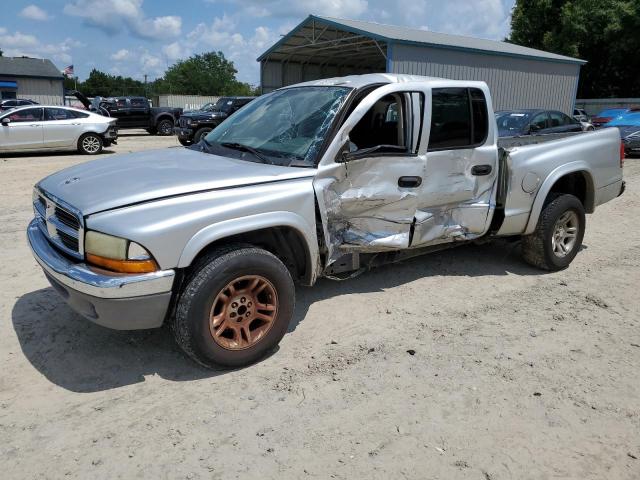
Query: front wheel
[165,127]
[185,142]
[90,144]
[201,133]
[558,235]
[235,307]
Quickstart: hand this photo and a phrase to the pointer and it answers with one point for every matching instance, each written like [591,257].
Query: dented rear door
[461,168]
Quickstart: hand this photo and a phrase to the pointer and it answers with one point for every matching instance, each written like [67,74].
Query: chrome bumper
[118,301]
[82,278]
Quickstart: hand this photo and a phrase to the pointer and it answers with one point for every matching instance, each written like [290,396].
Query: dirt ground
[513,373]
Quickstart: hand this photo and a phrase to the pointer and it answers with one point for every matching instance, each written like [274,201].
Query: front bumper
[118,301]
[183,133]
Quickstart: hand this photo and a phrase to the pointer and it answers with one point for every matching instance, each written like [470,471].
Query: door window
[139,103]
[539,121]
[27,115]
[51,114]
[567,120]
[557,120]
[459,118]
[383,126]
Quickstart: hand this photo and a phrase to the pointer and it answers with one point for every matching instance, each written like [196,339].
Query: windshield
[286,126]
[512,122]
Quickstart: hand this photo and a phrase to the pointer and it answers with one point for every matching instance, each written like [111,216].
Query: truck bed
[510,142]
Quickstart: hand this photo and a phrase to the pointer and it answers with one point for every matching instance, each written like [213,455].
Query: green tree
[205,74]
[605,33]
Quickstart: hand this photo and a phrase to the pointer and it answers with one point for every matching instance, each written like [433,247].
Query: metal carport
[322,47]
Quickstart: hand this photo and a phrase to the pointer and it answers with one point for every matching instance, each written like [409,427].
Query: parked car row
[133,112]
[192,126]
[515,123]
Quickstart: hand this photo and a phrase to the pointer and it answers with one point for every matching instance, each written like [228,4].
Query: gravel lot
[466,364]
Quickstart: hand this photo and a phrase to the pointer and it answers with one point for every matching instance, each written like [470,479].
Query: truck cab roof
[360,81]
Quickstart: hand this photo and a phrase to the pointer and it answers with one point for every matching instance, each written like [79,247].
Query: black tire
[201,133]
[210,276]
[90,144]
[185,142]
[537,248]
[165,127]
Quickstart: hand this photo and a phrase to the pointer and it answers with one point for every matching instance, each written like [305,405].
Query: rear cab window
[459,119]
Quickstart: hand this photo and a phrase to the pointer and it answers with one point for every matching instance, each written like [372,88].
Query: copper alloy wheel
[243,312]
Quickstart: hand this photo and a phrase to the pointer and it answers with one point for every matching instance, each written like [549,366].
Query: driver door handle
[409,182]
[481,170]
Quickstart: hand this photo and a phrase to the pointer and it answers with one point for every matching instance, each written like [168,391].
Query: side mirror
[534,128]
[6,121]
[347,151]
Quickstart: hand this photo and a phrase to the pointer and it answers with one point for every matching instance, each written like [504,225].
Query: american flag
[68,71]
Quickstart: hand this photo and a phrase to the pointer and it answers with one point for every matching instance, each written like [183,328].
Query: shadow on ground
[82,357]
[50,154]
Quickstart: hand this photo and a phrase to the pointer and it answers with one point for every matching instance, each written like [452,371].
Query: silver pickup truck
[325,178]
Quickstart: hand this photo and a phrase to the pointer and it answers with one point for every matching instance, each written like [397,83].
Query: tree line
[208,74]
[605,33]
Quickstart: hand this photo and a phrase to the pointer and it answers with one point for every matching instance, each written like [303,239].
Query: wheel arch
[575,178]
[285,234]
[163,116]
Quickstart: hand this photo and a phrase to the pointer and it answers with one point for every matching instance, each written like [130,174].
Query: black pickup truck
[133,112]
[192,126]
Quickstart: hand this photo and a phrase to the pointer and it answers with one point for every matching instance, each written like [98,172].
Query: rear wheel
[235,308]
[165,127]
[201,133]
[185,142]
[558,236]
[90,144]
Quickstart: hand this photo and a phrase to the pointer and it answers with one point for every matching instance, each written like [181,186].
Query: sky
[138,37]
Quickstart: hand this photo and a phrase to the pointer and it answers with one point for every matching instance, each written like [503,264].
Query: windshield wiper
[246,148]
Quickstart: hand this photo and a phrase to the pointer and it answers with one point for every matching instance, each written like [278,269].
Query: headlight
[117,254]
[189,120]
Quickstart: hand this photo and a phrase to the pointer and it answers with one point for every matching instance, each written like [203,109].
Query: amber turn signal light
[123,266]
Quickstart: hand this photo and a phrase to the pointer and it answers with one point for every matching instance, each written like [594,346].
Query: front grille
[183,122]
[69,241]
[60,223]
[67,218]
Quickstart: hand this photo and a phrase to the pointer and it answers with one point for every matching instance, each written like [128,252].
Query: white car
[45,127]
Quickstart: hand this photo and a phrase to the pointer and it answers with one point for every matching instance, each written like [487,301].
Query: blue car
[629,126]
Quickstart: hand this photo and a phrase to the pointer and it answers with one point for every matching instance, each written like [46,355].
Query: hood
[81,97]
[203,114]
[143,176]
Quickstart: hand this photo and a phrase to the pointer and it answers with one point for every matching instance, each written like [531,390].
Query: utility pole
[145,86]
